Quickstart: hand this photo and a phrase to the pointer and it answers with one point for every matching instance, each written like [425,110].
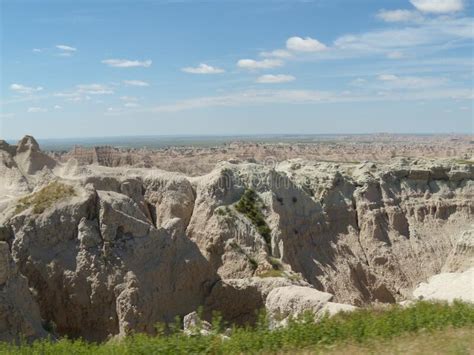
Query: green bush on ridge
[45,198]
[250,205]
[361,326]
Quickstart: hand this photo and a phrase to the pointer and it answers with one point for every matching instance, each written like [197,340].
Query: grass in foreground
[363,331]
[457,341]
[45,197]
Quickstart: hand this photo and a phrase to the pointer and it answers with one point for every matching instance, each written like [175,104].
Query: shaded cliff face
[127,248]
[19,313]
[362,232]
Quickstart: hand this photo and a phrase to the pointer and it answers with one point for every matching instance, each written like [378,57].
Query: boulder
[448,287]
[193,325]
[288,302]
[240,300]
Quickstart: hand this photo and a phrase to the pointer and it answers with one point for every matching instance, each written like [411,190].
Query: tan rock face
[461,256]
[448,287]
[135,247]
[30,158]
[294,301]
[99,268]
[19,313]
[239,300]
[284,303]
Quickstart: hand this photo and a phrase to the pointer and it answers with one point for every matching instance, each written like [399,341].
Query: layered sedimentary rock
[201,159]
[19,314]
[118,250]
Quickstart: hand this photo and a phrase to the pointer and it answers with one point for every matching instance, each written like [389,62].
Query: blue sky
[110,67]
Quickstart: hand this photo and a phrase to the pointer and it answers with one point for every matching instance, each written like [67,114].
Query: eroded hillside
[106,251]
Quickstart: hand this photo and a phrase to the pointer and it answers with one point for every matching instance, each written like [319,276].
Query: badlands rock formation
[201,159]
[288,302]
[19,313]
[105,251]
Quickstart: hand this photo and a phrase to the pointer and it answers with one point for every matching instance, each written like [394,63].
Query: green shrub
[275,263]
[272,273]
[250,205]
[360,327]
[45,197]
[464,162]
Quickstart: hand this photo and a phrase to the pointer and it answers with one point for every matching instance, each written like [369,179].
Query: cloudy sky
[110,67]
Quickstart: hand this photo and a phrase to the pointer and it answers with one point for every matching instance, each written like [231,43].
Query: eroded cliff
[117,250]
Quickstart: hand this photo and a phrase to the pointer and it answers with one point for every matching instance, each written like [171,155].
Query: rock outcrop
[133,247]
[461,257]
[19,314]
[99,268]
[284,303]
[239,300]
[448,287]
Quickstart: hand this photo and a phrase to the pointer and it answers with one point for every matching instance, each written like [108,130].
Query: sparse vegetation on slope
[362,329]
[251,206]
[464,162]
[45,197]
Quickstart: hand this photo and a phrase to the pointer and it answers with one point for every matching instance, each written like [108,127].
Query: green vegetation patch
[251,205]
[45,198]
[224,211]
[464,162]
[361,328]
[272,273]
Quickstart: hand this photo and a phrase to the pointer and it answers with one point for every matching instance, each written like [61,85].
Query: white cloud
[307,44]
[409,82]
[113,111]
[66,51]
[81,92]
[136,83]
[246,98]
[387,77]
[37,50]
[259,64]
[22,89]
[275,79]
[259,97]
[94,89]
[277,53]
[399,15]
[358,82]
[57,107]
[395,55]
[78,98]
[438,6]
[66,95]
[431,32]
[203,69]
[65,48]
[131,104]
[36,110]
[125,63]
[128,98]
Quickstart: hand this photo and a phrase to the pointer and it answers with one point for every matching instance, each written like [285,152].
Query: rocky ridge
[130,247]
